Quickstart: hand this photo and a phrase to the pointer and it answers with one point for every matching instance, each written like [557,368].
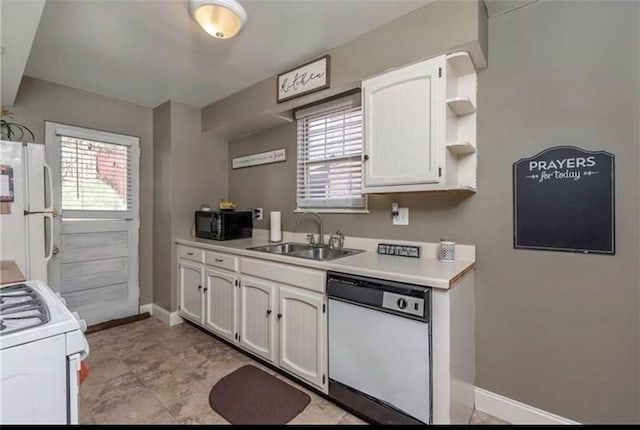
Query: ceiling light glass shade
[220,18]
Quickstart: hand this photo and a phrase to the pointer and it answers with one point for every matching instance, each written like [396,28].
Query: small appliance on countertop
[224,224]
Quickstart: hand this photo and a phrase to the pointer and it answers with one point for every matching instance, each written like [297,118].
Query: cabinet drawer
[224,261]
[193,254]
[293,275]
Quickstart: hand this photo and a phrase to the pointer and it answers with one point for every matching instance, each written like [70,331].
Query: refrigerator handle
[49,253]
[50,190]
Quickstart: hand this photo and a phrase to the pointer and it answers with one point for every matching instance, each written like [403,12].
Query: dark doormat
[251,396]
[113,323]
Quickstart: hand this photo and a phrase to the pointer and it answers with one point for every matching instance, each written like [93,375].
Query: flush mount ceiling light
[220,18]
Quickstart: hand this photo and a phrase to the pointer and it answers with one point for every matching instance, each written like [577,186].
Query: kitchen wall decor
[308,78]
[564,200]
[399,250]
[274,156]
[6,183]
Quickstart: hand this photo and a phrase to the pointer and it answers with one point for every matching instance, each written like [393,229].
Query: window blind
[329,171]
[95,176]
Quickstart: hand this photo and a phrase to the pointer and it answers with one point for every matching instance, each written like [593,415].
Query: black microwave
[224,225]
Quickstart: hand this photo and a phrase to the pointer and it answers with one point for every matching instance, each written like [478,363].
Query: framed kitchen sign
[260,158]
[564,200]
[308,78]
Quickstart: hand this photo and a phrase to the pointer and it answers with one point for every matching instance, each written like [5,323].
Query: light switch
[402,218]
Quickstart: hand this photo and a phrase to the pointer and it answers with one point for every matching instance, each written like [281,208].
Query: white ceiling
[18,25]
[147,52]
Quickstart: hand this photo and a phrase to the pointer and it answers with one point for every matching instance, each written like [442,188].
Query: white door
[95,232]
[302,322]
[258,308]
[190,285]
[403,118]
[221,298]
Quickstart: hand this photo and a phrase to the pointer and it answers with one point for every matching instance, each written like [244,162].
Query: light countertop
[10,273]
[426,271]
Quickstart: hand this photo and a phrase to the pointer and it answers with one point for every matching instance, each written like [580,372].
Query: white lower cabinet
[257,317]
[221,298]
[302,326]
[274,319]
[190,284]
[285,325]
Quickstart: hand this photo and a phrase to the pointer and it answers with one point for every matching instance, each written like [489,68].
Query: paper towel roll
[275,234]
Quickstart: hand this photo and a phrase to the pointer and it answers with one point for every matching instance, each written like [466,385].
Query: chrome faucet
[318,221]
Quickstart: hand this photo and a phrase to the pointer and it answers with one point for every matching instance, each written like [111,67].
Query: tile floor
[147,372]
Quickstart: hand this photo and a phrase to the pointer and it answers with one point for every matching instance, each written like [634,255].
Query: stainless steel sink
[282,248]
[303,250]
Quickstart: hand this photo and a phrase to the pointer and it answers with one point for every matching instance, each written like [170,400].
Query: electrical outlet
[257,214]
[402,218]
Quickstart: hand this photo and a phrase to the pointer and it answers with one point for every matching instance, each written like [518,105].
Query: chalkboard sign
[563,200]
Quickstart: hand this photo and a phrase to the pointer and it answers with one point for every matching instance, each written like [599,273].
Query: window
[97,173]
[329,172]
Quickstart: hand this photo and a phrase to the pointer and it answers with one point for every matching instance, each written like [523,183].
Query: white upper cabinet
[419,127]
[402,121]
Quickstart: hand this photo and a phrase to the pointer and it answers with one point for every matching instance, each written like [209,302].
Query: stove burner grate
[21,307]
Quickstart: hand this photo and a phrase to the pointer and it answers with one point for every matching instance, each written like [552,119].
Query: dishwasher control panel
[398,298]
[401,303]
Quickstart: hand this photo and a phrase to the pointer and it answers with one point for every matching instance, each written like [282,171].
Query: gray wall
[162,175]
[40,101]
[558,331]
[191,169]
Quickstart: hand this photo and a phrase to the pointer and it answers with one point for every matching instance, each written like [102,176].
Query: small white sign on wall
[261,158]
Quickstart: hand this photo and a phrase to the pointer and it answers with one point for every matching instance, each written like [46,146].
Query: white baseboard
[146,308]
[515,412]
[169,318]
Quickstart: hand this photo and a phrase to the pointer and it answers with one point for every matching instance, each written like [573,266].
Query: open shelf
[460,63]
[461,105]
[461,147]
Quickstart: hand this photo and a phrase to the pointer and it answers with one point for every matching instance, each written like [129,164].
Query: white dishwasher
[380,348]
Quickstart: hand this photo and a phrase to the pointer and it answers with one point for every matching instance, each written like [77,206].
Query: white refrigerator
[26,208]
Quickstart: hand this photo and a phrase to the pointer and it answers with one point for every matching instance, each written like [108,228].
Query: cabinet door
[221,298]
[190,290]
[257,314]
[404,116]
[302,328]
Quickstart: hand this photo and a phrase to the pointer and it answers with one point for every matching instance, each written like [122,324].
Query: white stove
[21,307]
[41,346]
